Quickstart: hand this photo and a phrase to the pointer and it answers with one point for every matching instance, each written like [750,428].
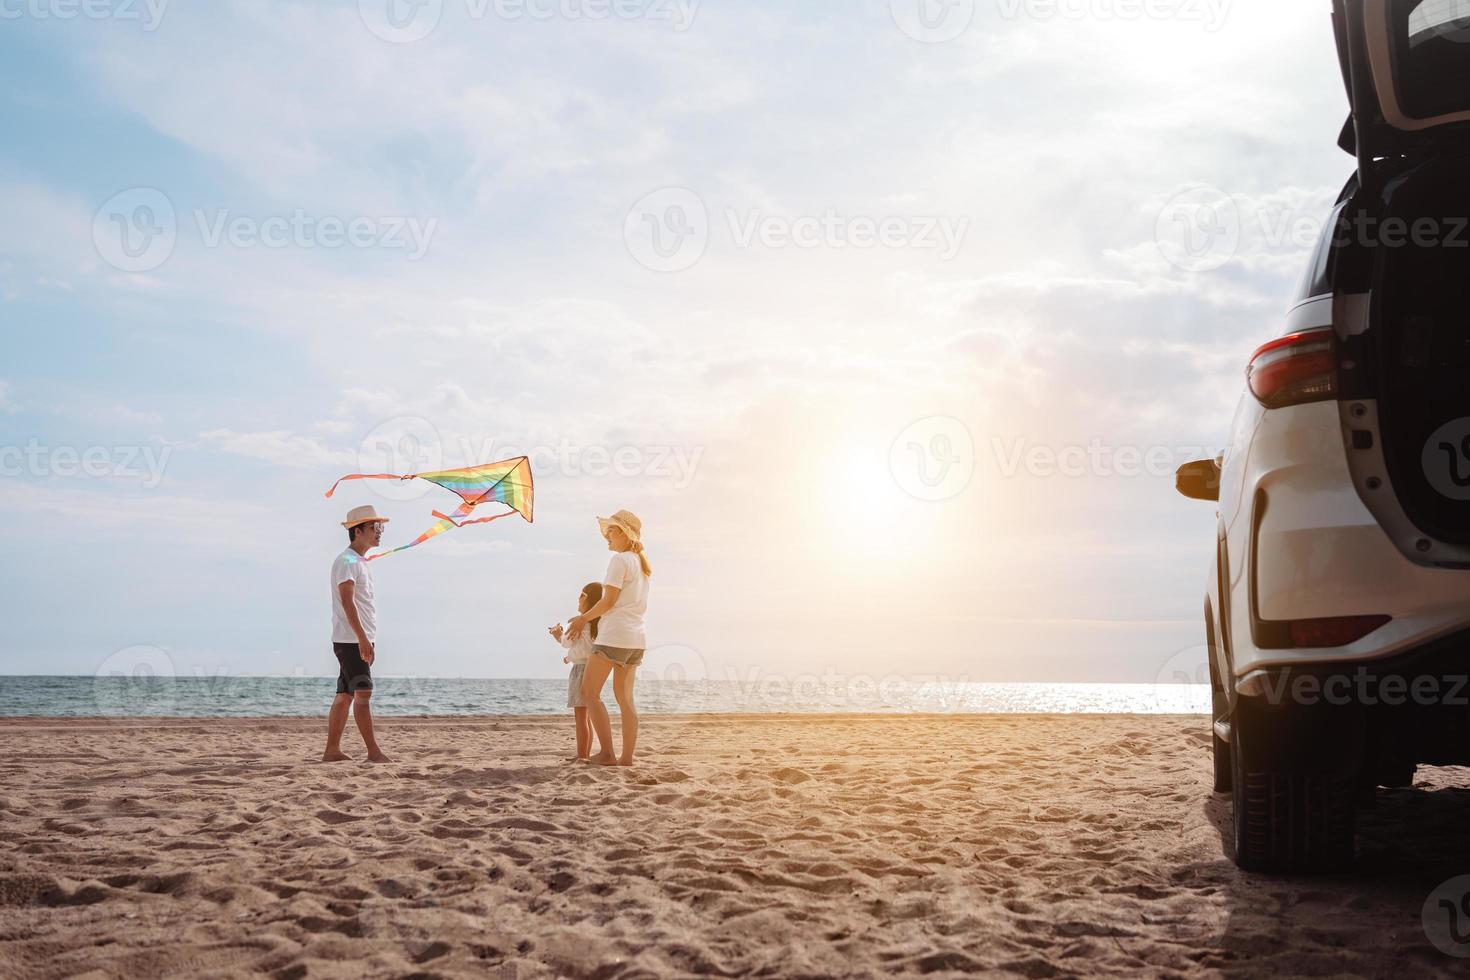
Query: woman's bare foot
[602,759]
[380,757]
[336,757]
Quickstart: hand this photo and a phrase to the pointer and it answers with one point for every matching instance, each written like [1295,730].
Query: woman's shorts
[622,656]
[574,687]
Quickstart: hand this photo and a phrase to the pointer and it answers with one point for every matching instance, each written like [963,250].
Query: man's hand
[574,628]
[366,649]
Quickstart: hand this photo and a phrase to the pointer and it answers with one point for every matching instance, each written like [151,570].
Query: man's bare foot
[380,757]
[602,759]
[336,757]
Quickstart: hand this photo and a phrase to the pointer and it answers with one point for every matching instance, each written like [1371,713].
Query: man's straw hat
[363,515]
[624,519]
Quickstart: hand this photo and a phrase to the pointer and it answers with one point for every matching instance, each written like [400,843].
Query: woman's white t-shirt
[622,626]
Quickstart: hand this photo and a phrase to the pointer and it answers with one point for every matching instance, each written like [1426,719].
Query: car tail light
[1295,369]
[1337,631]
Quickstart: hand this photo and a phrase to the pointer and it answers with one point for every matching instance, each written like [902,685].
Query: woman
[620,640]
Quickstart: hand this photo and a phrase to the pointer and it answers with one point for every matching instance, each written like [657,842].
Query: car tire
[1293,810]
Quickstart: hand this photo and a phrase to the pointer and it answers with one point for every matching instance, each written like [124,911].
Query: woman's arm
[603,606]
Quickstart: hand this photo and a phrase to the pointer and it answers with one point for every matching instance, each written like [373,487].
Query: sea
[266,697]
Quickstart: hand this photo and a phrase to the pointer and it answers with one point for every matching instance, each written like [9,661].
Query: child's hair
[593,592]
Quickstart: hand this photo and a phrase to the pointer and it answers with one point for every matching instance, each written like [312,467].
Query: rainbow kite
[507,482]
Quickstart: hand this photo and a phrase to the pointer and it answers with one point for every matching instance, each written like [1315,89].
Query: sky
[891,320]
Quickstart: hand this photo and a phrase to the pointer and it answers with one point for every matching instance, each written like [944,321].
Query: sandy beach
[773,846]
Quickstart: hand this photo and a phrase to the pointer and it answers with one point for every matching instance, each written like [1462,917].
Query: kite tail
[444,524]
[367,476]
[478,520]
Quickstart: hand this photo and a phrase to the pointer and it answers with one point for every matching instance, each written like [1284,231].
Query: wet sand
[778,846]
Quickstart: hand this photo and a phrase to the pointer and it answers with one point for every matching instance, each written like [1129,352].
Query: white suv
[1338,607]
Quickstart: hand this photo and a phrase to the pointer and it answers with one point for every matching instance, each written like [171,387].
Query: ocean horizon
[74,696]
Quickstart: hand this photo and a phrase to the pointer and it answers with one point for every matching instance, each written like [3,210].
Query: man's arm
[349,606]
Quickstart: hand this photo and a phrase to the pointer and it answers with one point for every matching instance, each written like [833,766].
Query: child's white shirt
[580,649]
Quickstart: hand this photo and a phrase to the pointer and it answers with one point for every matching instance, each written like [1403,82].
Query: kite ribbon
[367,476]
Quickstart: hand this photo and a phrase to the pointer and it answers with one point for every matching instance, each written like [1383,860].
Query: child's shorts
[574,687]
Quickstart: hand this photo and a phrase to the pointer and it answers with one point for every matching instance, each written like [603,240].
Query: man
[354,630]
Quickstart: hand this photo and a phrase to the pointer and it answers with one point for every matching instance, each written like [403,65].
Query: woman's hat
[624,519]
[363,515]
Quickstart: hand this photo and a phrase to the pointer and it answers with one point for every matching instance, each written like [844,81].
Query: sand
[779,846]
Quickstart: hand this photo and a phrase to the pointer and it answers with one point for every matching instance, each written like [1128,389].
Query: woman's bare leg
[623,690]
[598,667]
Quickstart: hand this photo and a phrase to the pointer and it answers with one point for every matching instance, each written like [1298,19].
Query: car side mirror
[1199,480]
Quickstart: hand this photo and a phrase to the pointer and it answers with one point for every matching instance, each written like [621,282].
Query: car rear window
[1432,56]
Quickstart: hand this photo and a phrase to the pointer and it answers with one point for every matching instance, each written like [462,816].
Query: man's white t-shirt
[622,626]
[349,566]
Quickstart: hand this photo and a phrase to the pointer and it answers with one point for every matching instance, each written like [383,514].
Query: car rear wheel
[1294,777]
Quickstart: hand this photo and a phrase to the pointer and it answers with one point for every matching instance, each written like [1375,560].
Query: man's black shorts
[354,675]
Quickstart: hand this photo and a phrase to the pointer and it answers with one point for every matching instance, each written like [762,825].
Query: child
[578,652]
